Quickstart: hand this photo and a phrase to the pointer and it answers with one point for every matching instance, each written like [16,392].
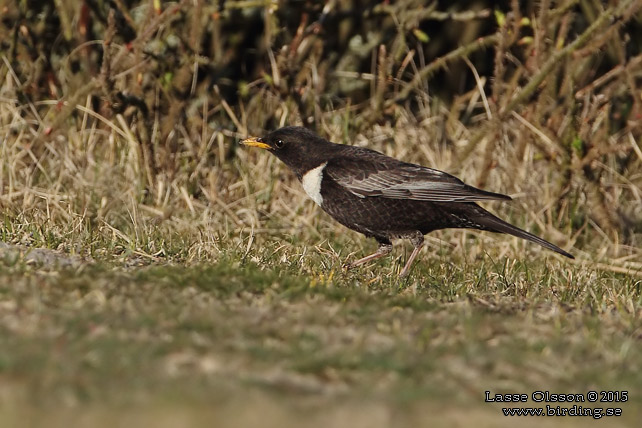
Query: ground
[248,340]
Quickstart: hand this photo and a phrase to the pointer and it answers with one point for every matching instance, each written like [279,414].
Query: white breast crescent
[312,183]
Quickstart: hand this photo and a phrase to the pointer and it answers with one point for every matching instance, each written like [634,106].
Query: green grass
[191,340]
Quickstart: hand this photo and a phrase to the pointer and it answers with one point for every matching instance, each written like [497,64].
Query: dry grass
[568,152]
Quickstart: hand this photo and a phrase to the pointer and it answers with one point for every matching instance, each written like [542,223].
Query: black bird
[382,197]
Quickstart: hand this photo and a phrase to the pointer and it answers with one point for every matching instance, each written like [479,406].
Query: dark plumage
[383,197]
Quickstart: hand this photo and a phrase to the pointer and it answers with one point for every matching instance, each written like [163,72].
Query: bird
[382,197]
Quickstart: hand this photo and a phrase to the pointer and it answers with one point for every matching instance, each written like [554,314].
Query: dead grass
[91,183]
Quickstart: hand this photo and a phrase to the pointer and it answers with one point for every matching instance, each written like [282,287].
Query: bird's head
[298,147]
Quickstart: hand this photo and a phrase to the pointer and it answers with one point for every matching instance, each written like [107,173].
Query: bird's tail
[494,224]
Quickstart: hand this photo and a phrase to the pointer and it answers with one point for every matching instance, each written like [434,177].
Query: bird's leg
[384,249]
[418,242]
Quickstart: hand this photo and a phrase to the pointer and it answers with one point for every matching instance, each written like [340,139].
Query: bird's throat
[311,182]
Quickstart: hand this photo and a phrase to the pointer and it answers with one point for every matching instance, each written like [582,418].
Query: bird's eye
[279,144]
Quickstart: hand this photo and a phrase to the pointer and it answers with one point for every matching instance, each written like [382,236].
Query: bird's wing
[372,174]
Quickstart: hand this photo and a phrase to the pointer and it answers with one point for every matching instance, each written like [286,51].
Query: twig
[555,60]
[440,63]
[480,86]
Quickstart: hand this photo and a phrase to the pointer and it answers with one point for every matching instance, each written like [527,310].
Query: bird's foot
[419,243]
[383,250]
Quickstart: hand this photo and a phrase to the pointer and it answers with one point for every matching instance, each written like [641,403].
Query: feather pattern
[366,173]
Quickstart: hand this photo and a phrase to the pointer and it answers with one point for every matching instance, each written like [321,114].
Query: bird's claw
[347,265]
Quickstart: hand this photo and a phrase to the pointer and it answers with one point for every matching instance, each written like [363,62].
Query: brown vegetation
[120,120]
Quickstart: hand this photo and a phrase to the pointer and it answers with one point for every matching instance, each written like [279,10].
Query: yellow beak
[255,142]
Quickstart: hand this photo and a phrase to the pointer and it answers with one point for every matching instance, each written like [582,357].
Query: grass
[191,341]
